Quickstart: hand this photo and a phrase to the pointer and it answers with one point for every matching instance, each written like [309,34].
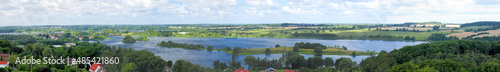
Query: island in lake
[301,47]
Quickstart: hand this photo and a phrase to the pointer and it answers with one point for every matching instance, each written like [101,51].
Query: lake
[206,58]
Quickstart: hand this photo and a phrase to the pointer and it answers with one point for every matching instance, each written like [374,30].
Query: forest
[128,39]
[180,45]
[130,59]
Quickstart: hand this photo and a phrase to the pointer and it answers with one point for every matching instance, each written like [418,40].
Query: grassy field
[409,28]
[465,34]
[328,51]
[418,35]
[492,33]
[358,32]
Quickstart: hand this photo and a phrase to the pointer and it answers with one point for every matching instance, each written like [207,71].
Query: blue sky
[78,12]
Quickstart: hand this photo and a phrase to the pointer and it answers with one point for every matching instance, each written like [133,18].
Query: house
[271,70]
[97,68]
[20,46]
[80,38]
[4,64]
[59,34]
[241,70]
[70,44]
[90,37]
[4,56]
[183,32]
[52,36]
[57,45]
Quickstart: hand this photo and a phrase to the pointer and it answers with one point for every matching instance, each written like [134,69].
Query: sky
[111,12]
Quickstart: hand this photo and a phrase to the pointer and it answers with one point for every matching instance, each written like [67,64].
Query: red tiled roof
[94,66]
[241,70]
[3,62]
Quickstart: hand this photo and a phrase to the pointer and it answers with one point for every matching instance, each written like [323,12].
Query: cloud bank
[76,12]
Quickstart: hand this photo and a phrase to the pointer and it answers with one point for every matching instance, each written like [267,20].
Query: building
[70,44]
[241,70]
[183,32]
[271,70]
[97,68]
[4,64]
[80,38]
[57,45]
[4,56]
[52,37]
[20,46]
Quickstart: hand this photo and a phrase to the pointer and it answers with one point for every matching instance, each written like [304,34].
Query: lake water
[206,58]
[18,33]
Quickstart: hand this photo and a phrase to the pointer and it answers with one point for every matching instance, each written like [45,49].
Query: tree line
[180,45]
[313,35]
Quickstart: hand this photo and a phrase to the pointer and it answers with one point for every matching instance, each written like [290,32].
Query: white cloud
[456,11]
[262,3]
[41,12]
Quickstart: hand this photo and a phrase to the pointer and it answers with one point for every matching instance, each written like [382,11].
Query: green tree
[179,66]
[329,62]
[169,63]
[344,63]
[496,48]
[128,39]
[47,52]
[489,66]
[435,28]
[318,51]
[297,61]
[142,38]
[353,54]
[228,48]
[12,60]
[296,48]
[268,51]
[85,38]
[29,47]
[219,65]
[429,69]
[315,62]
[277,45]
[209,48]
[406,67]
[250,61]
[130,67]
[146,61]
